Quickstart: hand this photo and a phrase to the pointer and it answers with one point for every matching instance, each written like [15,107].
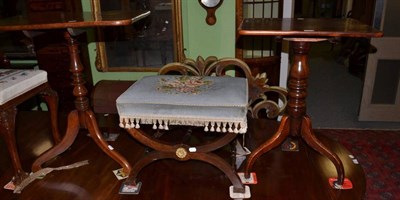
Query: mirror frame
[101,62]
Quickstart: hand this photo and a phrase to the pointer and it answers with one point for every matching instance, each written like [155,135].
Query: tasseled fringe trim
[209,126]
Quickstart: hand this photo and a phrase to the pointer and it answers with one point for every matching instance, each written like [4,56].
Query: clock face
[210,3]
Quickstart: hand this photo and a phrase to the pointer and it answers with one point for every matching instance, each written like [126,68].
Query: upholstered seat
[215,103]
[17,82]
[17,86]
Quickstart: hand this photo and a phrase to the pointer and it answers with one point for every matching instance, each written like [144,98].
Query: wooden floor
[281,175]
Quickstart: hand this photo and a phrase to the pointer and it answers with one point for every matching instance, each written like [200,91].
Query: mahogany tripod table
[82,116]
[301,32]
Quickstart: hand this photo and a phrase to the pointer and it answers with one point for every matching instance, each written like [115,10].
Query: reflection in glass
[147,44]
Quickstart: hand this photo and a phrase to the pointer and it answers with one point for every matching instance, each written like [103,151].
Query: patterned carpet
[378,152]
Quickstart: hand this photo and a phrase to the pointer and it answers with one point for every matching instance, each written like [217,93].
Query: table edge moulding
[70,20]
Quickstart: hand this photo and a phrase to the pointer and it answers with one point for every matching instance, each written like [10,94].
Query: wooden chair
[17,86]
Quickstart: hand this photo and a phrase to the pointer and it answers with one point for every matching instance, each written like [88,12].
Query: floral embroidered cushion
[216,103]
[15,82]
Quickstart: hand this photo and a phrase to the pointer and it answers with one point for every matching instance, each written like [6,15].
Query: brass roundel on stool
[181,152]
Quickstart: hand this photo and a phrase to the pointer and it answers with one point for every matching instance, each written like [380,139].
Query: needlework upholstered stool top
[215,103]
[17,86]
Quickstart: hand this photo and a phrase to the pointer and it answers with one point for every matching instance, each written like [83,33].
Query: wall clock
[210,6]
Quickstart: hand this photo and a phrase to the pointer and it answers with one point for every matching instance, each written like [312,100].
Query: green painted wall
[200,39]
